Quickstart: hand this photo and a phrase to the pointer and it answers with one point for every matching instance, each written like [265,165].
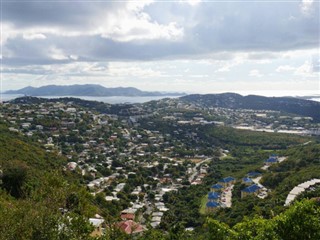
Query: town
[133,158]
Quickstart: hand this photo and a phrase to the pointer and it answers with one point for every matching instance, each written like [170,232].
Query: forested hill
[86,90]
[234,101]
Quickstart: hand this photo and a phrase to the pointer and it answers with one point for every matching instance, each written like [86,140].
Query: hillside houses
[227,182]
[216,187]
[271,160]
[253,189]
[220,194]
[130,161]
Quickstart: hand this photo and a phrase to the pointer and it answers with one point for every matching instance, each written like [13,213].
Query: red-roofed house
[130,227]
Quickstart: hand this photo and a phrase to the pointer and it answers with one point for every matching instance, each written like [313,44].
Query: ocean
[111,100]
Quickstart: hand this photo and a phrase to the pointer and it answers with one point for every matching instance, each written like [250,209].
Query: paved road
[195,171]
[228,196]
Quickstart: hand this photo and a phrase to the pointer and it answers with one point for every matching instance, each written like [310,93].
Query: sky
[260,47]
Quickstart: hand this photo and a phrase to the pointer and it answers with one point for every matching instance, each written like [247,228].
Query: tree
[256,228]
[218,231]
[300,221]
[14,177]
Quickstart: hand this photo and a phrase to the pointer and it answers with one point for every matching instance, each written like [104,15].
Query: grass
[227,157]
[202,208]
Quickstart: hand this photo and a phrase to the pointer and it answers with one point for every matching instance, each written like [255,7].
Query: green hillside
[35,188]
[33,191]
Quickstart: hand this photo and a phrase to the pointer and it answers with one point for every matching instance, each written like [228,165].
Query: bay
[111,100]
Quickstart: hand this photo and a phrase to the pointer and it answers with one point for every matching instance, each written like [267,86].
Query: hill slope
[234,101]
[33,189]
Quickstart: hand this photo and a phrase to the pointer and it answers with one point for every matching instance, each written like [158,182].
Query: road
[195,171]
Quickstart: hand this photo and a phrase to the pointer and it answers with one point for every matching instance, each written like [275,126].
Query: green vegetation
[40,199]
[300,221]
[33,192]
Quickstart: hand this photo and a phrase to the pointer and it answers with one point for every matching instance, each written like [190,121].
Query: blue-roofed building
[227,182]
[247,181]
[213,196]
[216,188]
[271,160]
[253,174]
[212,206]
[253,189]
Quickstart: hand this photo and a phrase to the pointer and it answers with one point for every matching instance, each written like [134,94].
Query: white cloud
[307,7]
[223,69]
[118,69]
[193,2]
[57,54]
[225,66]
[74,57]
[7,32]
[285,68]
[305,70]
[127,23]
[132,23]
[255,73]
[32,36]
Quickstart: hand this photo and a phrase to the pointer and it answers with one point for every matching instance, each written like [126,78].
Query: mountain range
[87,90]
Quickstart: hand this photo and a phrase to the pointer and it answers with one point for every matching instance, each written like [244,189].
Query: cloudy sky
[191,46]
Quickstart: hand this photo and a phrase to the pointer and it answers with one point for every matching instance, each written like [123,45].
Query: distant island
[93,90]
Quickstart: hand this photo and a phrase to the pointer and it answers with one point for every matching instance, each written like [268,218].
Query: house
[253,189]
[227,182]
[213,196]
[157,214]
[97,223]
[129,211]
[247,181]
[72,166]
[212,206]
[127,216]
[271,160]
[216,187]
[130,227]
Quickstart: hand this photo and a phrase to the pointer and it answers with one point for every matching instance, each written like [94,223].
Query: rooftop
[217,186]
[213,195]
[212,204]
[251,189]
[227,179]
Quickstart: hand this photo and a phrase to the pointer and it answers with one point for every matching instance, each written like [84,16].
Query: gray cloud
[70,14]
[209,28]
